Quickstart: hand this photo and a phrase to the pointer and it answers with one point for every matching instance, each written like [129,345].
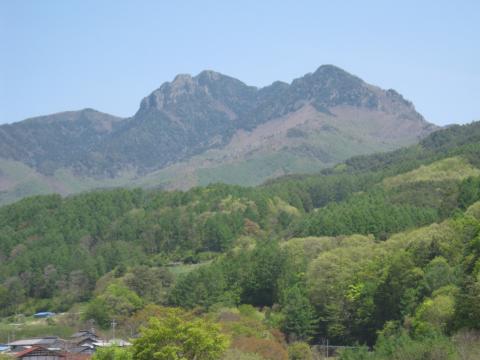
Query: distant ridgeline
[376,240]
[205,129]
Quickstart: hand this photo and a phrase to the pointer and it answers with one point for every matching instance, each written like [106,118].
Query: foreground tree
[173,337]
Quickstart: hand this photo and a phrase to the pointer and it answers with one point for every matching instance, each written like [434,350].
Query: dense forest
[381,252]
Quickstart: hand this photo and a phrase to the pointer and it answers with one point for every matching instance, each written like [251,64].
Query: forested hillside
[381,250]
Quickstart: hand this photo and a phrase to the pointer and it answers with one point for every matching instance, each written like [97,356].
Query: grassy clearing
[178,270]
[31,327]
[256,170]
[454,168]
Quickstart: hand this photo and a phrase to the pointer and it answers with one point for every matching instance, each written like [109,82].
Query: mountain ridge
[212,121]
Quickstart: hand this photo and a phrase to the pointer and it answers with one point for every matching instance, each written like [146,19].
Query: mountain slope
[209,128]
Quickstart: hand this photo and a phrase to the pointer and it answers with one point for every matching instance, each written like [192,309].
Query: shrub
[300,351]
[267,349]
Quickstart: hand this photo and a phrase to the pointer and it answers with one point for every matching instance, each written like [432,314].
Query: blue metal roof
[44,314]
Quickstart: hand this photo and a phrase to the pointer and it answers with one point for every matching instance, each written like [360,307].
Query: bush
[267,349]
[356,354]
[235,354]
[403,346]
[112,353]
[300,351]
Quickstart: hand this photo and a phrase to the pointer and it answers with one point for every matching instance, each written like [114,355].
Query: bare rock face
[200,119]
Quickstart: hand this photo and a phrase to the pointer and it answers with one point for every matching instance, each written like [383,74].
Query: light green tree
[173,337]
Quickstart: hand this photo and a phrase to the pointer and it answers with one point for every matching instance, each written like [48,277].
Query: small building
[83,341]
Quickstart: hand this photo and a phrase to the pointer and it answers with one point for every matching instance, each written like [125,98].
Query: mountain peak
[332,73]
[190,115]
[86,114]
[210,75]
[181,79]
[332,69]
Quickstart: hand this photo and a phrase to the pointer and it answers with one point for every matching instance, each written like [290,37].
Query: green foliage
[73,242]
[397,293]
[434,315]
[454,168]
[117,302]
[249,277]
[469,192]
[113,353]
[300,322]
[235,354]
[341,284]
[149,283]
[402,346]
[205,287]
[365,214]
[361,353]
[438,273]
[173,337]
[259,281]
[300,351]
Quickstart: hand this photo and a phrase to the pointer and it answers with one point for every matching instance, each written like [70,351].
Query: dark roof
[80,340]
[82,349]
[82,333]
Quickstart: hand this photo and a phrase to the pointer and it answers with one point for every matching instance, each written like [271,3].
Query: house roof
[82,333]
[82,349]
[45,352]
[49,340]
[44,313]
[113,342]
[38,349]
[83,339]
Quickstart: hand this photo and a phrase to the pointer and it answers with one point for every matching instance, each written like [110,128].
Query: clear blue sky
[66,55]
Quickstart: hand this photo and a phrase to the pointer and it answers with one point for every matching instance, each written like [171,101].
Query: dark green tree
[300,318]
